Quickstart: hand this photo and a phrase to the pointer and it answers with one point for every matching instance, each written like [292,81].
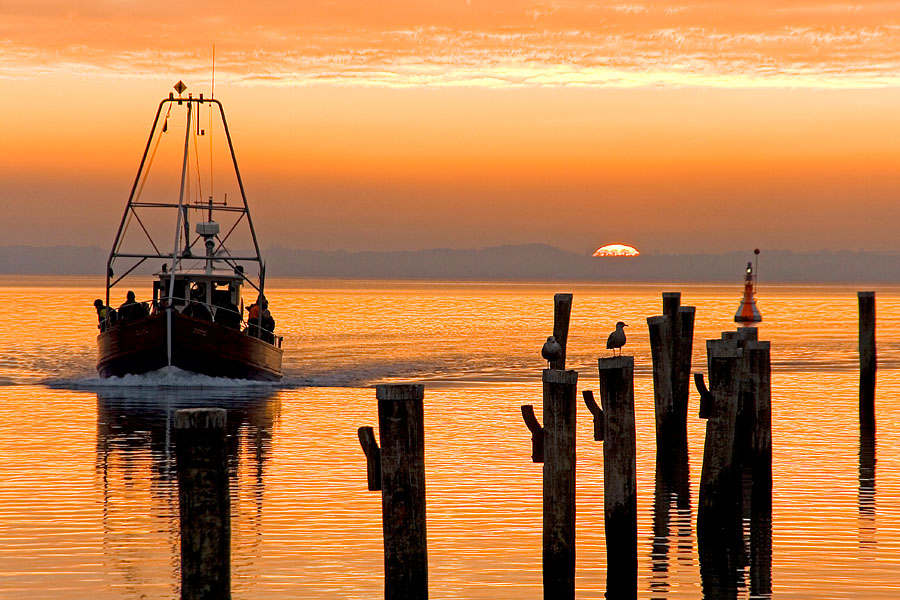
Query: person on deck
[267,323]
[229,315]
[106,316]
[131,309]
[196,308]
[253,319]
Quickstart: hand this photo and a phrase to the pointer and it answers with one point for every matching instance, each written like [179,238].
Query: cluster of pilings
[735,484]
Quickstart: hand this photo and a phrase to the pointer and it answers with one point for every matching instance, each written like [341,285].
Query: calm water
[88,503]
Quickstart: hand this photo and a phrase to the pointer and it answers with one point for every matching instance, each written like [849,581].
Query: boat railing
[235,317]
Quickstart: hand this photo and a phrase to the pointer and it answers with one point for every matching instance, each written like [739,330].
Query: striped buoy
[747,313]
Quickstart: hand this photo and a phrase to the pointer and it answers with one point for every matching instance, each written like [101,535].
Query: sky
[674,127]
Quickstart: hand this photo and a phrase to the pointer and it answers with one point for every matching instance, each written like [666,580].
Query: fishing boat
[191,315]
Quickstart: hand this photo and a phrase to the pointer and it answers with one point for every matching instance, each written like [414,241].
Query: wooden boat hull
[199,346]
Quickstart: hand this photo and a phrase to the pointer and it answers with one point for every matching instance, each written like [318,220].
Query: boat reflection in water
[135,465]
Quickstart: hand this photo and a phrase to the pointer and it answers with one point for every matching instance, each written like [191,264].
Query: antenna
[212,92]
[756,266]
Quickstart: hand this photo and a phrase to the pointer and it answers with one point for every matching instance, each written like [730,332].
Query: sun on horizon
[617,250]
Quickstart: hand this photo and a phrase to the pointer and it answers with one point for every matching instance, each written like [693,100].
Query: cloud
[492,43]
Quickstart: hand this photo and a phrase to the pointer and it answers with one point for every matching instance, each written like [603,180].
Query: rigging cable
[144,175]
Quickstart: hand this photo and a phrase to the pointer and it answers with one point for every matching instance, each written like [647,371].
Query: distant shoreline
[513,263]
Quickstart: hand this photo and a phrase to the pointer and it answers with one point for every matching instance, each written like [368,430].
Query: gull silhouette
[617,338]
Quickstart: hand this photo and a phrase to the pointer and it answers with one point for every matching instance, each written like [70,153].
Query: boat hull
[199,346]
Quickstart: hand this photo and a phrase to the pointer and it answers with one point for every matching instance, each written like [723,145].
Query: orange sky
[699,126]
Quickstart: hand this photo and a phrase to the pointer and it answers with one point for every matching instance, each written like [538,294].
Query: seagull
[617,338]
[551,350]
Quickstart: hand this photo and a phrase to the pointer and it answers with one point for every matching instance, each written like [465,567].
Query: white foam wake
[167,377]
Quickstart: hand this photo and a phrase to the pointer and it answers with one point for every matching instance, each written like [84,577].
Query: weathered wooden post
[204,504]
[660,328]
[719,533]
[868,362]
[401,459]
[562,310]
[619,475]
[758,358]
[671,345]
[559,483]
[682,325]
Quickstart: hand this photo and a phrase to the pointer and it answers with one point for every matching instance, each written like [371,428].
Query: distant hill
[55,260]
[503,263]
[542,262]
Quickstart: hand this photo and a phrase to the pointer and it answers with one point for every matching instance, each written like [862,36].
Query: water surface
[88,504]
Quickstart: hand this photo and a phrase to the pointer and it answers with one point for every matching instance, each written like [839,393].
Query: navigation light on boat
[747,314]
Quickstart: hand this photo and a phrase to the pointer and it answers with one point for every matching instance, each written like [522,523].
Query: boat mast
[181,210]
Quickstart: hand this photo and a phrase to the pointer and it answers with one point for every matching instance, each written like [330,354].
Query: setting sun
[616,250]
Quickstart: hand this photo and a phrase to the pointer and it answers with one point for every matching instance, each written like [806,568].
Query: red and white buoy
[747,314]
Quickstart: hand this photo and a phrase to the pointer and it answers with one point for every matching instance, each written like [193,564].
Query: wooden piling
[660,328]
[719,526]
[760,375]
[868,362]
[619,475]
[401,429]
[758,359]
[562,310]
[204,503]
[671,346]
[681,363]
[559,484]
[717,477]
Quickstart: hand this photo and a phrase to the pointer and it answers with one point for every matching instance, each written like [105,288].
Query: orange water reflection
[88,506]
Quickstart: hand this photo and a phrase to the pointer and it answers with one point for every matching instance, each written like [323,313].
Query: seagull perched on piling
[551,350]
[617,338]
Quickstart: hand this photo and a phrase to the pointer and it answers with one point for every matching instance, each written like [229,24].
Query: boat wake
[167,377]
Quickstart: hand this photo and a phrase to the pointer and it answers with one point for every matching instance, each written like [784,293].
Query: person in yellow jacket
[106,316]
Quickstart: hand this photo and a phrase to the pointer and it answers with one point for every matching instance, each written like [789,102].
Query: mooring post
[719,532]
[559,484]
[681,364]
[401,429]
[717,477]
[758,358]
[619,475]
[671,346]
[868,362]
[204,503]
[660,328]
[562,310]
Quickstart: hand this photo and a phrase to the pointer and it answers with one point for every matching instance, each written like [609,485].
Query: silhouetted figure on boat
[267,323]
[227,314]
[131,309]
[260,323]
[106,316]
[196,308]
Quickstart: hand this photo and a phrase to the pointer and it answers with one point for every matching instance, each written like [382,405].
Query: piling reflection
[671,511]
[135,462]
[867,529]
